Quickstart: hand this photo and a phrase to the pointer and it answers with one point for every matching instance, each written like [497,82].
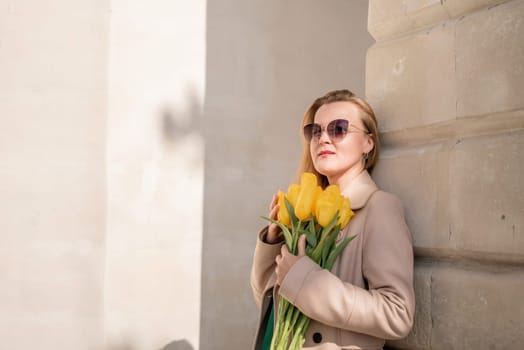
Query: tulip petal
[283,213]
[292,194]
[306,197]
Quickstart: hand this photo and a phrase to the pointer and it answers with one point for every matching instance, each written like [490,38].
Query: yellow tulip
[306,197]
[328,203]
[337,198]
[333,190]
[283,214]
[325,211]
[292,194]
[317,194]
[345,213]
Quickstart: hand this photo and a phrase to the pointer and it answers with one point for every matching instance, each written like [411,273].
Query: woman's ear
[369,144]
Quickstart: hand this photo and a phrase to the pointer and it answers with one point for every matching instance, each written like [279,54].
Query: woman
[368,295]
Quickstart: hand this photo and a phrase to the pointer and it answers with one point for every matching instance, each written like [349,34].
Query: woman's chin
[327,171]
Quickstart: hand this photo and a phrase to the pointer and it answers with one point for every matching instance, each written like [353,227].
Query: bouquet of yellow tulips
[319,214]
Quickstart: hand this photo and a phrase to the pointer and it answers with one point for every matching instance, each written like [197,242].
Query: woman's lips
[324,154]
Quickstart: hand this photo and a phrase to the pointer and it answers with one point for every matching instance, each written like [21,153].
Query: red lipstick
[325,153]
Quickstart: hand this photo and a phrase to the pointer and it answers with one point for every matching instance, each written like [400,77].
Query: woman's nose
[324,137]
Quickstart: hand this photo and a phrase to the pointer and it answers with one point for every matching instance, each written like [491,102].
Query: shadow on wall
[177,158]
[178,345]
[178,123]
[182,344]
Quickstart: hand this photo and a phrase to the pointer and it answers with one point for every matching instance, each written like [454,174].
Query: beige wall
[52,173]
[445,79]
[101,174]
[266,62]
[102,160]
[155,160]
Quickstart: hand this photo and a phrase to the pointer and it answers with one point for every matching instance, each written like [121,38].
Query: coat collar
[359,190]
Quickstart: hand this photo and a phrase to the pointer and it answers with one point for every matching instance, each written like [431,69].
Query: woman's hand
[286,260]
[273,232]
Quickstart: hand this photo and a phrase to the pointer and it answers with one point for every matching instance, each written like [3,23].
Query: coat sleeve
[263,265]
[386,309]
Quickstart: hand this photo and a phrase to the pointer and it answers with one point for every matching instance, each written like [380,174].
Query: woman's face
[334,158]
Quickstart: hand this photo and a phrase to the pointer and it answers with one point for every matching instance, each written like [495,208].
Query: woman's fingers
[284,262]
[273,229]
[273,202]
[302,245]
[273,213]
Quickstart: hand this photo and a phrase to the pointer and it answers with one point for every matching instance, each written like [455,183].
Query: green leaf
[309,250]
[329,243]
[311,235]
[312,226]
[295,235]
[336,252]
[316,255]
[332,223]
[291,212]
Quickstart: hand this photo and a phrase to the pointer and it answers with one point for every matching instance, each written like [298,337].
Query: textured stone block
[423,13]
[486,195]
[393,18]
[413,175]
[477,309]
[462,7]
[387,18]
[462,67]
[490,60]
[420,336]
[411,81]
[462,196]
[466,307]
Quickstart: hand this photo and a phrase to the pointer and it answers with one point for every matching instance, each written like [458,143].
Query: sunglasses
[336,130]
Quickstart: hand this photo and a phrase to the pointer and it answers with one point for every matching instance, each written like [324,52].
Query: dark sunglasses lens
[338,129]
[307,132]
[312,130]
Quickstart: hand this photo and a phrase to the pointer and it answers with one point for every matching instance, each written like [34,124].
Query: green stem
[292,317]
[283,338]
[299,335]
[317,252]
[283,306]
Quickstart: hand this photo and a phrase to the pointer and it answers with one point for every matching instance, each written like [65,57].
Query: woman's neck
[345,179]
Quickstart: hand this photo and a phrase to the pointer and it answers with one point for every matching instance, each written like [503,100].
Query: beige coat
[368,295]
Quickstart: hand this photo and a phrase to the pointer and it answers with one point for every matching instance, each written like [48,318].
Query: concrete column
[267,61]
[445,79]
[155,174]
[53,87]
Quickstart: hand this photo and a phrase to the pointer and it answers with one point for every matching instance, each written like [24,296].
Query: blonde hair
[368,119]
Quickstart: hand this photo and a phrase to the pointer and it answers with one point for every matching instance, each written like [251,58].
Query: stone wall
[445,78]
